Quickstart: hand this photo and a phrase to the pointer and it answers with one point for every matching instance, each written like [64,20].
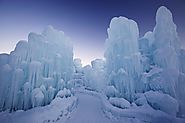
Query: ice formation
[163,58]
[152,62]
[35,70]
[95,75]
[123,56]
[78,65]
[140,77]
[64,93]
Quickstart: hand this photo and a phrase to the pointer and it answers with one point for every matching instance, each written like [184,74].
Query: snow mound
[119,102]
[110,91]
[140,99]
[163,102]
[64,93]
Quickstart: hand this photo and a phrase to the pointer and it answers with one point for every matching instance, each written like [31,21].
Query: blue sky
[84,21]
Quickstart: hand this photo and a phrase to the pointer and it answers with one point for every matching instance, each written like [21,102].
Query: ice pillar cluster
[123,56]
[32,74]
[154,62]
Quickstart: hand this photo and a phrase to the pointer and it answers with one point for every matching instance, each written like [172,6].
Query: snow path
[89,111]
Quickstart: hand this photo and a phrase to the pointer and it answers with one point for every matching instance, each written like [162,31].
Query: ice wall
[123,56]
[31,74]
[166,55]
[156,57]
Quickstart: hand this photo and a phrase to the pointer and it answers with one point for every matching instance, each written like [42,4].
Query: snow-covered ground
[135,114]
[89,110]
[59,108]
[86,107]
[62,110]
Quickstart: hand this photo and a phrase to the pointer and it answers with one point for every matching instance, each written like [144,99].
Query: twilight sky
[84,21]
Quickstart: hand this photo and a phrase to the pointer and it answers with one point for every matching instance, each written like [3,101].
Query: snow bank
[140,100]
[158,101]
[119,102]
[58,109]
[111,91]
[143,113]
[163,102]
[64,93]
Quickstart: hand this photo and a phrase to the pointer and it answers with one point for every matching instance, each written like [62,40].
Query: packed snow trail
[89,110]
